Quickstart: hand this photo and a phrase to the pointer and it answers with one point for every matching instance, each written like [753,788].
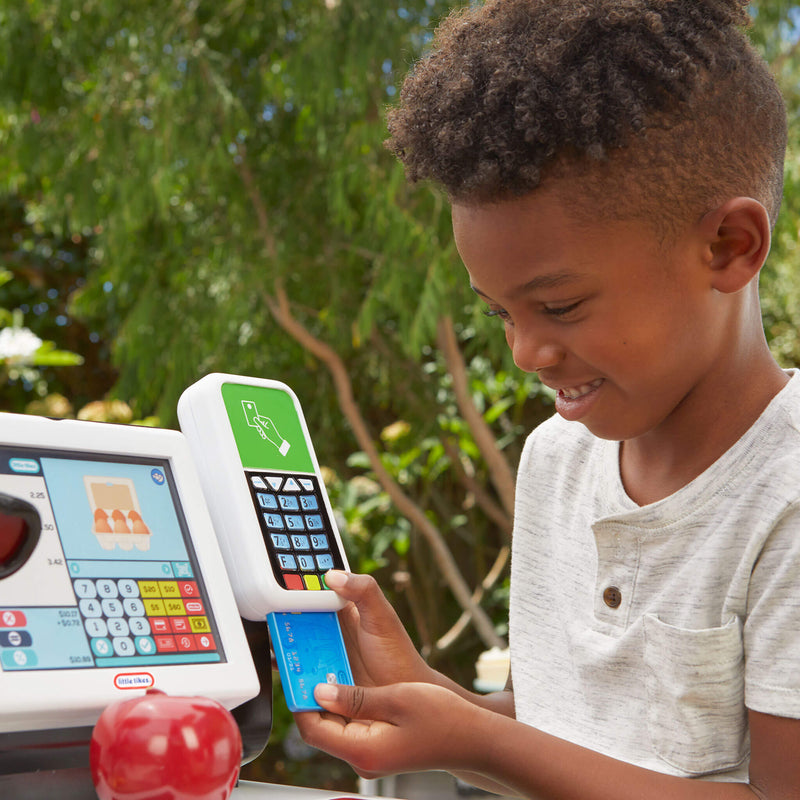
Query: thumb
[351,702]
[363,590]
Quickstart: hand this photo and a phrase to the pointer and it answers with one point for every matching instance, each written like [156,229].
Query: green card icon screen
[267,428]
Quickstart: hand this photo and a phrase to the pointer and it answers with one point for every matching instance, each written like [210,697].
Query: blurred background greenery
[189,186]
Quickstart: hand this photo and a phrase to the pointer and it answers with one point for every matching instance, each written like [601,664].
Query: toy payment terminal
[273,519]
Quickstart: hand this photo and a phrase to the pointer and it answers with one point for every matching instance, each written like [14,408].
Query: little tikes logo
[133,680]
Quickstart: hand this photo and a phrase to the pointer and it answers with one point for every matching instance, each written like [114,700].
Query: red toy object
[165,747]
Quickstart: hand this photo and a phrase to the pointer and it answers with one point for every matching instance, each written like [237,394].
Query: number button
[280,541]
[133,607]
[314,522]
[113,608]
[96,627]
[139,626]
[274,521]
[309,502]
[107,588]
[84,588]
[300,542]
[294,522]
[123,646]
[118,627]
[90,608]
[288,503]
[128,588]
[306,563]
[267,501]
[319,541]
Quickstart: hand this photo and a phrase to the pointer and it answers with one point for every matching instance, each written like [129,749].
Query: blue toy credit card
[309,650]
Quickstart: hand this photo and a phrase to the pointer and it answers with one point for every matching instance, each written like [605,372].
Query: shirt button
[612,597]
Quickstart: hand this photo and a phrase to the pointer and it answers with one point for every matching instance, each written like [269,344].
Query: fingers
[379,647]
[374,612]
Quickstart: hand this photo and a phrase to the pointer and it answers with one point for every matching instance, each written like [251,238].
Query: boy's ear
[736,238]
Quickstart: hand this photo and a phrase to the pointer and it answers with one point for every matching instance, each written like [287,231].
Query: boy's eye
[562,311]
[497,312]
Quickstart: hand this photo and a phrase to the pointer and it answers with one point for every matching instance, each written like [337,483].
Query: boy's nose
[532,352]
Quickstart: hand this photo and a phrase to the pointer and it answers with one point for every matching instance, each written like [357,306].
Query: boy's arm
[410,727]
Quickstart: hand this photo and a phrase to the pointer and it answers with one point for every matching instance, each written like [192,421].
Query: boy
[615,170]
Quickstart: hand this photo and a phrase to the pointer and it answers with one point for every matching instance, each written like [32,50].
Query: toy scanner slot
[20,528]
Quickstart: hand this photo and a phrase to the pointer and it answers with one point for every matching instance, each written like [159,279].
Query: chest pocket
[695,696]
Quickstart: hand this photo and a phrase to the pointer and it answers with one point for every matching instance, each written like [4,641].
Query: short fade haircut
[657,107]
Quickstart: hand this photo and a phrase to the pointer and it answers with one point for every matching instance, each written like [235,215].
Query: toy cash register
[125,588]
[111,582]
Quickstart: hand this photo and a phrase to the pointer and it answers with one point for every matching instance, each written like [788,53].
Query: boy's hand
[378,646]
[398,728]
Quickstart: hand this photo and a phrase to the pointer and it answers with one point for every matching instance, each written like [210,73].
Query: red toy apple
[165,747]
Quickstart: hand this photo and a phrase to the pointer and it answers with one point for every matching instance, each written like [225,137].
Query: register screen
[114,580]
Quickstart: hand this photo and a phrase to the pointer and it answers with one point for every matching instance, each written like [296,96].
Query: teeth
[574,392]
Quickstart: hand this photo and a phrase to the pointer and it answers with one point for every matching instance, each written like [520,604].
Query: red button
[179,624]
[194,607]
[293,581]
[166,644]
[186,642]
[12,619]
[188,589]
[159,624]
[205,641]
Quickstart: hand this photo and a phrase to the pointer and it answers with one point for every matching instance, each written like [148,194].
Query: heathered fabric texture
[709,577]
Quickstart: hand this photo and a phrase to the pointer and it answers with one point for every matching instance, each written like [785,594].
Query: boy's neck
[660,463]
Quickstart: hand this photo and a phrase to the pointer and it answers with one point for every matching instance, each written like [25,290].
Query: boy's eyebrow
[549,281]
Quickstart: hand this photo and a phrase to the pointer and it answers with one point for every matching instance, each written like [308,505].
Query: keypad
[295,525]
[126,618]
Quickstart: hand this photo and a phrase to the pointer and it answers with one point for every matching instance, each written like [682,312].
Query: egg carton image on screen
[117,517]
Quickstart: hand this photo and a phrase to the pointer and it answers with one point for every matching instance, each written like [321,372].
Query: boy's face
[625,329]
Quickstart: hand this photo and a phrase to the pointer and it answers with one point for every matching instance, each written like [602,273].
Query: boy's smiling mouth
[574,402]
[576,392]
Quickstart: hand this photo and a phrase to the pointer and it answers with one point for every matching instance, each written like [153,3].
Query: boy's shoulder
[777,430]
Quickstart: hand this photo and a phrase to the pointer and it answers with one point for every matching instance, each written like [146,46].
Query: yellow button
[169,588]
[312,582]
[175,608]
[199,624]
[154,608]
[149,589]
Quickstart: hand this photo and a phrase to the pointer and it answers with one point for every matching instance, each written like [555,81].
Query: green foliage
[777,33]
[217,147]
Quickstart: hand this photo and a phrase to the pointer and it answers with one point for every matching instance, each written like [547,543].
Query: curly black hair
[661,105]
